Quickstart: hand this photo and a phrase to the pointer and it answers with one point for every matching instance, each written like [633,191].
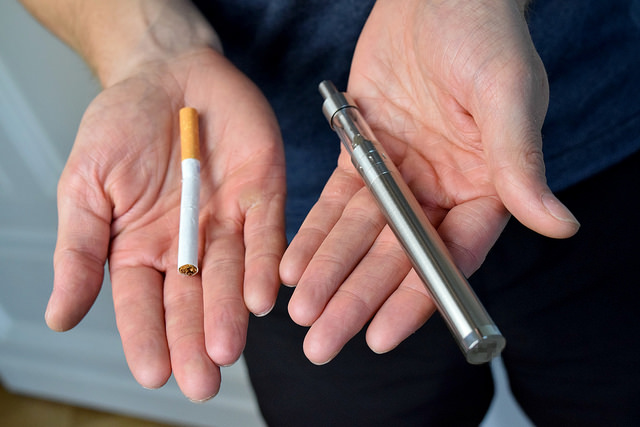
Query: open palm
[457,95]
[119,199]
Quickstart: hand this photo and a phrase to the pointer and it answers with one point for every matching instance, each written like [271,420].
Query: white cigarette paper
[190,198]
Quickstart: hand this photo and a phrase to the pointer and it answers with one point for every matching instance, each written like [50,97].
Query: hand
[119,199]
[456,93]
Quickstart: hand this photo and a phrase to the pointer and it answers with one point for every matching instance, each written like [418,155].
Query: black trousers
[568,309]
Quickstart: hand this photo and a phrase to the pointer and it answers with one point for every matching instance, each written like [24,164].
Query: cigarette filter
[190,199]
[474,331]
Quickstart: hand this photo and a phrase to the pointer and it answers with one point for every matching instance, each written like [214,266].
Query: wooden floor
[21,411]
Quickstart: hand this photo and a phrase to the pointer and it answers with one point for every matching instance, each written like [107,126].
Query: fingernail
[50,320]
[206,399]
[325,361]
[265,312]
[557,209]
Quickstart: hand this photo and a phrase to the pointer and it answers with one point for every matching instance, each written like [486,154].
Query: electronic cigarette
[469,322]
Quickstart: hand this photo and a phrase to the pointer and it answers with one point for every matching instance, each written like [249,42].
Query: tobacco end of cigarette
[189,134]
[188,270]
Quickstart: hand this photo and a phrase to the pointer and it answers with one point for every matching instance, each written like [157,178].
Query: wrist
[523,5]
[156,32]
[173,30]
[118,37]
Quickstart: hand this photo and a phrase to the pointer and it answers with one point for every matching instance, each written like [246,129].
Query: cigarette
[190,199]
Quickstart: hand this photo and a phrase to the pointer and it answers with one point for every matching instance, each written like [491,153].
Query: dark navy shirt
[591,51]
[590,48]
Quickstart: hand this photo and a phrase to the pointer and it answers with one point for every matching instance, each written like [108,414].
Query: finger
[512,132]
[196,374]
[265,241]
[403,313]
[84,218]
[225,314]
[138,304]
[470,230]
[344,246]
[358,298]
[340,187]
[522,188]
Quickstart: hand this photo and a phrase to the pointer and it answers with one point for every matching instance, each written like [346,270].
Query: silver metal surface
[469,322]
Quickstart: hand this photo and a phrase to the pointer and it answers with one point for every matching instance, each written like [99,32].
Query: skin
[457,95]
[454,91]
[119,194]
[119,200]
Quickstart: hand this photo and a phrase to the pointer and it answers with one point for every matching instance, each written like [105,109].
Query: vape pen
[469,322]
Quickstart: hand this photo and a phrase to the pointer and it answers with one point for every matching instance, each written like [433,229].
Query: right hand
[457,95]
[118,200]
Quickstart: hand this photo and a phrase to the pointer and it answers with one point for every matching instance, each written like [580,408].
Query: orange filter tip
[189,135]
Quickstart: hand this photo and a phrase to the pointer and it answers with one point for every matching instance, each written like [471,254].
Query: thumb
[81,250]
[512,132]
[521,185]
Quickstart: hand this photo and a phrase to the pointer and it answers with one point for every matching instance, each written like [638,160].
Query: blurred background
[44,89]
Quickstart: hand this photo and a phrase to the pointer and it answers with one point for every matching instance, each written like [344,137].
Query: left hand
[119,199]
[457,95]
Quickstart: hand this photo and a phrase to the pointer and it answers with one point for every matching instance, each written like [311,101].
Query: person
[457,93]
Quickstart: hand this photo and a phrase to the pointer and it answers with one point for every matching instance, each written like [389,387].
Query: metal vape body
[470,324]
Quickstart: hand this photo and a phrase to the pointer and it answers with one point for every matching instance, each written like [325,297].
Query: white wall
[44,88]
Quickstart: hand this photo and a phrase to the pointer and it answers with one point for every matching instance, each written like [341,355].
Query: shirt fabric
[553,299]
[589,48]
